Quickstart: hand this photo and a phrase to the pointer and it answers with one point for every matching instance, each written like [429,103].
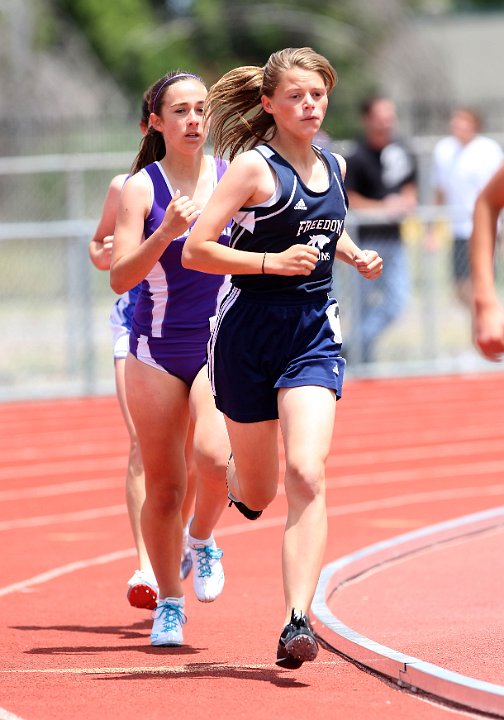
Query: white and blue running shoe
[208,573]
[168,620]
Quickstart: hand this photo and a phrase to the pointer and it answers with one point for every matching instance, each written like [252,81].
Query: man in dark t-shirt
[381,184]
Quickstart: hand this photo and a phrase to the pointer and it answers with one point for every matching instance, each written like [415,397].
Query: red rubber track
[407,453]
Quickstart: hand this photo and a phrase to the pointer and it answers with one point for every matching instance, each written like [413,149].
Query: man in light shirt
[463,162]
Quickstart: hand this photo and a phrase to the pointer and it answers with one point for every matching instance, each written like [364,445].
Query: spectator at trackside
[381,181]
[463,162]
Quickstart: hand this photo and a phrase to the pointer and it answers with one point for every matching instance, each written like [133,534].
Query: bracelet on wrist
[262,264]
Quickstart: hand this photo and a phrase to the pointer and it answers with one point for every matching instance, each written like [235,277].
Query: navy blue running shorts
[261,344]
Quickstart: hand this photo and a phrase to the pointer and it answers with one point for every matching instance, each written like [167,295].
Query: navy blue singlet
[274,331]
[299,215]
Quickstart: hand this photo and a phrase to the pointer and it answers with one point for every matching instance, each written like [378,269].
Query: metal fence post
[81,358]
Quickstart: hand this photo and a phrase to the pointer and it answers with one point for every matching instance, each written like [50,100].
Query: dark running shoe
[246,511]
[297,643]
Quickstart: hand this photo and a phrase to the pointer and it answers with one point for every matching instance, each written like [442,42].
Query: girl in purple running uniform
[142,587]
[167,384]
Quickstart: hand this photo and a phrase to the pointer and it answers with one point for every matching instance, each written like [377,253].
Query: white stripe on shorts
[226,304]
[143,353]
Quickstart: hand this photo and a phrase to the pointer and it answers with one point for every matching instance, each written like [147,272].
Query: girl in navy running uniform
[166,380]
[275,349]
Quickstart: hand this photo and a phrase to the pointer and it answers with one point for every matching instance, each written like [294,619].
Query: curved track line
[6,715]
[405,670]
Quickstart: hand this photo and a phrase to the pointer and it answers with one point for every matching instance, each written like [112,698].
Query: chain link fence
[54,305]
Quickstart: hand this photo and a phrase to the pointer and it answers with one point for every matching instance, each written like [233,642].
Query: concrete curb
[407,671]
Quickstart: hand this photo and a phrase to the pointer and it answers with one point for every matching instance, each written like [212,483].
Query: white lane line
[65,467]
[393,456]
[45,577]
[78,516]
[406,670]
[477,469]
[68,488]
[379,437]
[418,499]
[64,449]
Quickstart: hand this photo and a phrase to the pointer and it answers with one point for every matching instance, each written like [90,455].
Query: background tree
[139,40]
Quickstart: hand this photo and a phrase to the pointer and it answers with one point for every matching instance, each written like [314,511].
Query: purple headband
[169,80]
